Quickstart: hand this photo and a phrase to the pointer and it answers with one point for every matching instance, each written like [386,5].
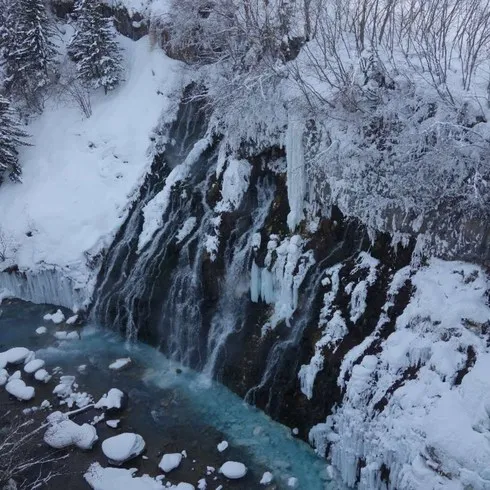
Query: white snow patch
[113,424]
[41,330]
[235,184]
[187,228]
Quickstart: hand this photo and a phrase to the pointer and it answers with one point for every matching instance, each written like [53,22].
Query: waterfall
[49,285]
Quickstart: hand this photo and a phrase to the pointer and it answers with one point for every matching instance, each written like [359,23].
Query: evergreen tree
[11,136]
[93,47]
[28,49]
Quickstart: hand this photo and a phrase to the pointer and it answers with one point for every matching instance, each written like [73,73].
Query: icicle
[296,173]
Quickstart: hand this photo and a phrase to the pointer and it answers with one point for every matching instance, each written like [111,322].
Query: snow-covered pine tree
[94,48]
[30,53]
[11,136]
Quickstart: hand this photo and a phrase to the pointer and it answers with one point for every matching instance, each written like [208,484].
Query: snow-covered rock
[266,478]
[170,461]
[63,432]
[42,375]
[222,446]
[233,470]
[112,401]
[33,366]
[292,482]
[123,447]
[56,318]
[4,376]
[113,424]
[41,330]
[64,335]
[119,364]
[17,388]
[15,355]
[65,387]
[72,320]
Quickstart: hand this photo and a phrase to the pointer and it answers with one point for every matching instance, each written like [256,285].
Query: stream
[171,406]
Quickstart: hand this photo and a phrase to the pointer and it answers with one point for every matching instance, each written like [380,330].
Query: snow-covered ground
[80,173]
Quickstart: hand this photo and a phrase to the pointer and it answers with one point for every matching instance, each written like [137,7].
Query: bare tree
[25,463]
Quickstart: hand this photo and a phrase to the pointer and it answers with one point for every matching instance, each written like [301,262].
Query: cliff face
[327,329]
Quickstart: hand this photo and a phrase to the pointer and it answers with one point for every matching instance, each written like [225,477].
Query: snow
[79,173]
[100,478]
[56,318]
[33,365]
[222,446]
[292,482]
[41,330]
[113,424]
[64,335]
[42,375]
[421,426]
[17,388]
[65,387]
[236,179]
[63,432]
[187,228]
[266,478]
[155,209]
[110,400]
[120,363]
[15,355]
[202,484]
[4,376]
[72,320]
[233,470]
[123,447]
[170,462]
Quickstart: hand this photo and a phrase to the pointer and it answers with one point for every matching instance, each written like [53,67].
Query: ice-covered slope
[79,173]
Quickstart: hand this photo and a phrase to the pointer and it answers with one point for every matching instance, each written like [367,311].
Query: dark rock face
[196,306]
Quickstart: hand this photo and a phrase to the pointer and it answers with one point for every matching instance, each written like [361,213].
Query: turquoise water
[172,406]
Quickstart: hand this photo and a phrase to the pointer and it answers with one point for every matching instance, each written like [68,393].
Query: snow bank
[123,447]
[78,177]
